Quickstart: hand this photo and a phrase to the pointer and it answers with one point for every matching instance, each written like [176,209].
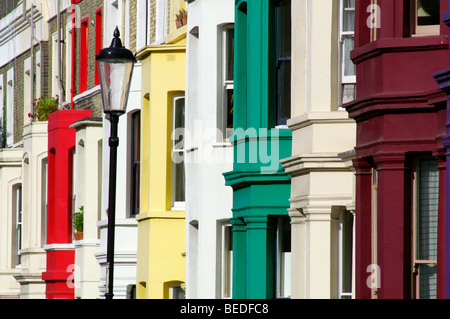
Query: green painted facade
[261,188]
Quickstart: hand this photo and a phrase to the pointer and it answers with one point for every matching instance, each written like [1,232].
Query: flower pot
[184,20]
[78,235]
[179,23]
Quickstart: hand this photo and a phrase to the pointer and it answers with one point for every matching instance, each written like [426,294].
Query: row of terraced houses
[270,149]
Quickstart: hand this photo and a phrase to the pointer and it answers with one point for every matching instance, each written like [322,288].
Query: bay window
[282,61]
[425,224]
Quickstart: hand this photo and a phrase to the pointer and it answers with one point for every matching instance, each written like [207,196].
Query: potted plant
[77,221]
[181,18]
[43,106]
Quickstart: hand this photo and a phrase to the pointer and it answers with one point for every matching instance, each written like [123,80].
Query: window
[17,224]
[283,257]
[84,50]
[226,113]
[55,85]
[26,90]
[227,261]
[425,223]
[98,39]
[178,178]
[425,17]
[345,244]
[135,161]
[2,103]
[283,61]
[10,107]
[346,35]
[44,191]
[68,45]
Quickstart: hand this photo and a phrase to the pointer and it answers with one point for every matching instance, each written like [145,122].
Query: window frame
[280,122]
[416,261]
[135,163]
[177,205]
[283,258]
[422,30]
[227,261]
[345,80]
[84,51]
[17,214]
[227,85]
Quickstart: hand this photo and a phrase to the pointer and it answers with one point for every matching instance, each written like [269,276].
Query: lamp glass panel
[115,80]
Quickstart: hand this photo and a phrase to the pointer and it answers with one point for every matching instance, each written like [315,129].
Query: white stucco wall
[208,201]
[321,181]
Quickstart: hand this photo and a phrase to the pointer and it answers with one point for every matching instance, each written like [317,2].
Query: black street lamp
[115,68]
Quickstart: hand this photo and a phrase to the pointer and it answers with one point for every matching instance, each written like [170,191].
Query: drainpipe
[58,38]
[72,89]
[31,21]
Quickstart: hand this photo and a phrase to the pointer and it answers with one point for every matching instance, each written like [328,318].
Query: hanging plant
[43,106]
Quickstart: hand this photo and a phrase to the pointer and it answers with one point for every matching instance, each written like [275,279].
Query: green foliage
[43,106]
[77,219]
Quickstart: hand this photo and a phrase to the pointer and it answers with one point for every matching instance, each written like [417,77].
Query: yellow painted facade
[161,263]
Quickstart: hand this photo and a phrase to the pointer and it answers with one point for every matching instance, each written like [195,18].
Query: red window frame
[84,50]
[98,39]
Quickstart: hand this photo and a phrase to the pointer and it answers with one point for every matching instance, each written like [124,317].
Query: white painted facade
[322,184]
[117,14]
[34,200]
[10,176]
[23,163]
[87,193]
[208,154]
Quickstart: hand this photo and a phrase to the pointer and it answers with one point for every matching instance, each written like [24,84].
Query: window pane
[427,281]
[179,123]
[349,16]
[428,12]
[428,210]
[284,92]
[179,179]
[349,66]
[230,55]
[284,29]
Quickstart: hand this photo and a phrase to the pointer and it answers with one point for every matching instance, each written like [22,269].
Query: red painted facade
[400,115]
[60,257]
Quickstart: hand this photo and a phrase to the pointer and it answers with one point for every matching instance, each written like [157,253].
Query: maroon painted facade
[401,115]
[60,257]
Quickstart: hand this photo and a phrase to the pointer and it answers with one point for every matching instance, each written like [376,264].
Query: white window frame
[27,103]
[68,57]
[283,263]
[343,245]
[17,226]
[344,79]
[227,261]
[227,85]
[10,107]
[2,103]
[55,86]
[176,205]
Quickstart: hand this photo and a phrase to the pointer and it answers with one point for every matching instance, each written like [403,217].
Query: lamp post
[115,67]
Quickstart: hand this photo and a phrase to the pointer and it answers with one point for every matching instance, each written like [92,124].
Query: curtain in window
[427,219]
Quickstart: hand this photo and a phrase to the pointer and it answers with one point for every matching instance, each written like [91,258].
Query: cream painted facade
[10,176]
[322,184]
[161,261]
[209,154]
[34,198]
[87,193]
